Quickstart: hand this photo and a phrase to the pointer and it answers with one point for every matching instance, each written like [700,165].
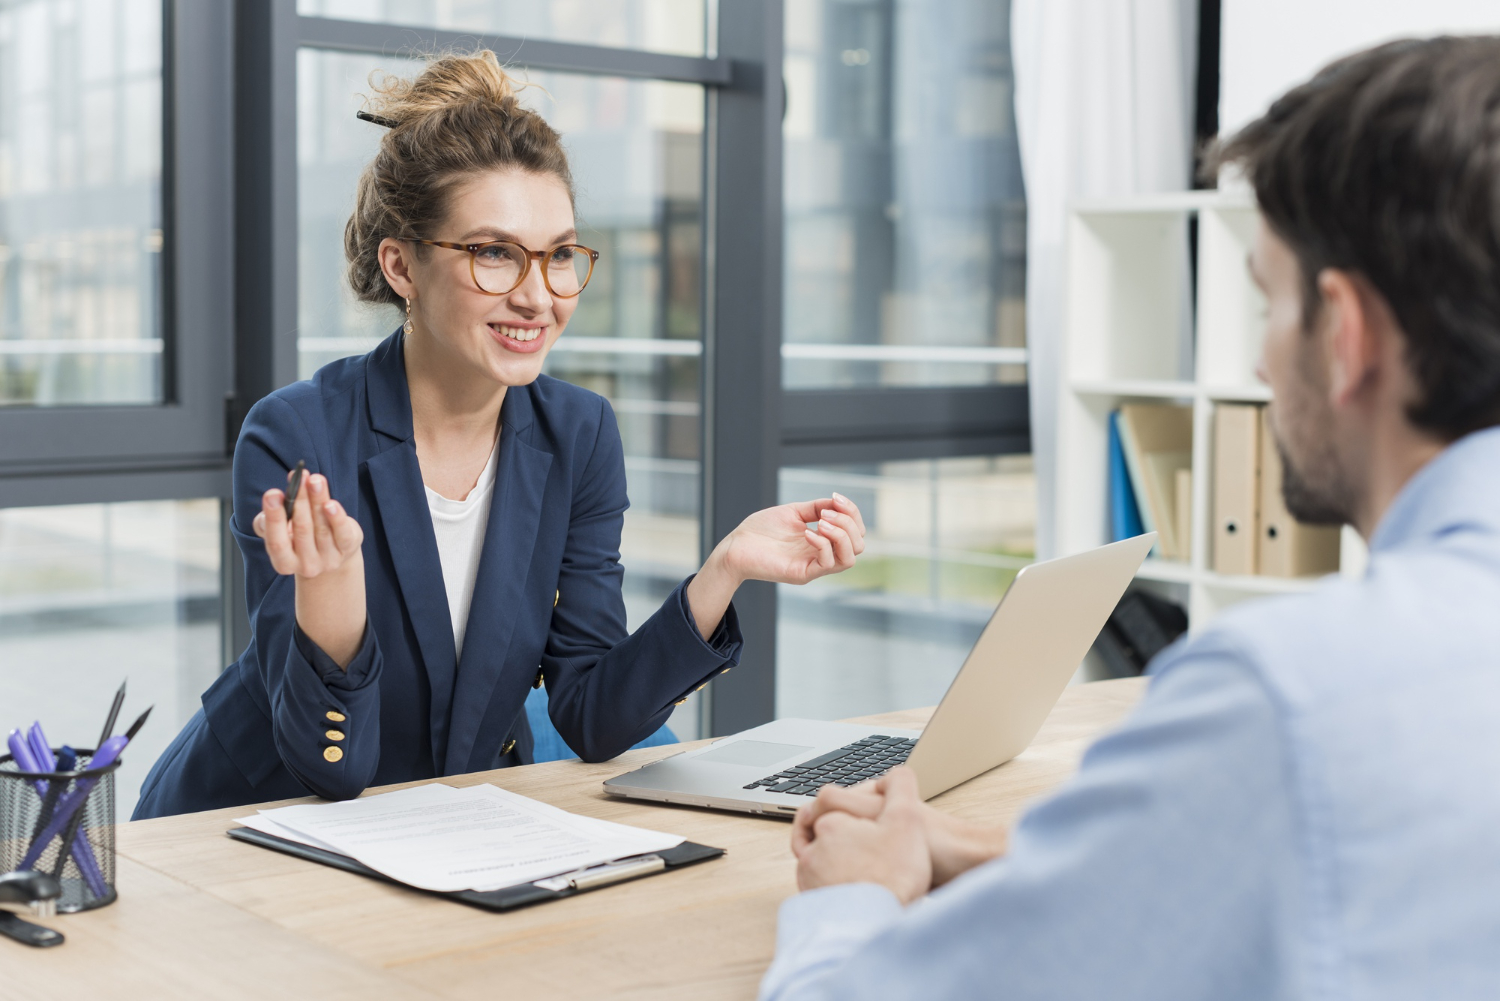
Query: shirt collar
[1460,488]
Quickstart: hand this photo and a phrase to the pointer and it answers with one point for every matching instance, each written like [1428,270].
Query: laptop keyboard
[847,766]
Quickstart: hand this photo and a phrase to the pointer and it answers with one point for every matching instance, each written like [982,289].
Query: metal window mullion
[380,38]
[742,350]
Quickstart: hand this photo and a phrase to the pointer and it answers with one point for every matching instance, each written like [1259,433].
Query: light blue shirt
[1305,804]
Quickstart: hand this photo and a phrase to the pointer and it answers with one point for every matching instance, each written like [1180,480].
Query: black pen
[291,494]
[114,714]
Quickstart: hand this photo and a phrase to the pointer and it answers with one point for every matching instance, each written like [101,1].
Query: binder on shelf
[1236,487]
[1124,510]
[1185,514]
[1157,440]
[1287,547]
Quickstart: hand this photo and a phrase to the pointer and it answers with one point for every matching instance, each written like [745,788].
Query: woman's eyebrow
[492,233]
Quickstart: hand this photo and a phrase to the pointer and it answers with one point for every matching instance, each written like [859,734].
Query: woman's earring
[406,327]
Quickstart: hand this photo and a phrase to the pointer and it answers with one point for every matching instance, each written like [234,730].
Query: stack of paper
[436,837]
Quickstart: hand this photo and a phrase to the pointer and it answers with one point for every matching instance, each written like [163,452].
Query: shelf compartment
[1128,314]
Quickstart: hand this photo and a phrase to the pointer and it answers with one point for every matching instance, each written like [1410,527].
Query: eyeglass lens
[498,268]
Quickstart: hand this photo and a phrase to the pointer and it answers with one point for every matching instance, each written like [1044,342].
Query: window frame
[175,448]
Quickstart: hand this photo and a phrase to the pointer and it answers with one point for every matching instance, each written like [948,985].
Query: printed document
[481,837]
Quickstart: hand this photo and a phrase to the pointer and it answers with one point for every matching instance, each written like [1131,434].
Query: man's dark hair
[1387,164]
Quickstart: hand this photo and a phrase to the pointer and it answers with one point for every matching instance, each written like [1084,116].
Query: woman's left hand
[776,545]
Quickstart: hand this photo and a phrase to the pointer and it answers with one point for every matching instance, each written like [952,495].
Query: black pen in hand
[298,472]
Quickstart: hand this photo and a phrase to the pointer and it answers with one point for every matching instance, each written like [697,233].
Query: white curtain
[1104,107]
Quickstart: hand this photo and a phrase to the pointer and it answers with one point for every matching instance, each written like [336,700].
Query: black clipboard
[511,897]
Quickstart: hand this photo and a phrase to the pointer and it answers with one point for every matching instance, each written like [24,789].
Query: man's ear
[1350,342]
[395,264]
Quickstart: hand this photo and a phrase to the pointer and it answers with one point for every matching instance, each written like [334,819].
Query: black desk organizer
[508,899]
[23,812]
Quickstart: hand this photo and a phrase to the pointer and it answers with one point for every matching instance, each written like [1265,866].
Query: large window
[95,594]
[905,216]
[944,539]
[80,202]
[905,267]
[677,26]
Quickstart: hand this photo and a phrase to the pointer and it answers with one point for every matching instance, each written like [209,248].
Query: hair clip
[365,116]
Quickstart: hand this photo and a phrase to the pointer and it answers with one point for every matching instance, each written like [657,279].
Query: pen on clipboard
[593,876]
[299,472]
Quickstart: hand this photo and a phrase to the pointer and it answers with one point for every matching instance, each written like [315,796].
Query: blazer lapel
[500,586]
[397,481]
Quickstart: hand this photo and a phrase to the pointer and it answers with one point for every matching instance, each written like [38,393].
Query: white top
[459,527]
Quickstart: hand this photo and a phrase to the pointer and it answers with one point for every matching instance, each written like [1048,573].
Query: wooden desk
[202,916]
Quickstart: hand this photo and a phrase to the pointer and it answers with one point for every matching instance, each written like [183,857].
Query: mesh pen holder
[41,812]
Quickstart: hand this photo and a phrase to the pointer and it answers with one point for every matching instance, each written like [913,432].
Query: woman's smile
[522,338]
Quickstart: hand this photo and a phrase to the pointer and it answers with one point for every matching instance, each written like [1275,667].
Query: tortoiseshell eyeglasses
[499,267]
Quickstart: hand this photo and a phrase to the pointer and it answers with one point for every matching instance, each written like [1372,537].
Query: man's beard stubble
[1318,494]
[1310,505]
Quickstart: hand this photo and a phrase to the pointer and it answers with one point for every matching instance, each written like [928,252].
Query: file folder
[1124,511]
[1287,547]
[1236,487]
[1158,442]
[1185,514]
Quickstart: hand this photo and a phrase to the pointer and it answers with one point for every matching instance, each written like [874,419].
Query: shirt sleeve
[1165,869]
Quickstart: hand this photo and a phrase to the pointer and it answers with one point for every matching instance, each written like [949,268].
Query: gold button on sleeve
[538,682]
[510,745]
[335,717]
[679,702]
[334,735]
[556,598]
[334,754]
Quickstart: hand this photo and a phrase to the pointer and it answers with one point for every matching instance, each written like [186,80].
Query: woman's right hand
[319,539]
[321,546]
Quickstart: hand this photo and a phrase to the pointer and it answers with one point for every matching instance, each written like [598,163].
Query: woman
[456,539]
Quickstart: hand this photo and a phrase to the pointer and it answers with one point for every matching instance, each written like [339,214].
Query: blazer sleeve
[308,697]
[608,689]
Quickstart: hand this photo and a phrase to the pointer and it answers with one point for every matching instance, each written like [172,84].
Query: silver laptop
[1010,681]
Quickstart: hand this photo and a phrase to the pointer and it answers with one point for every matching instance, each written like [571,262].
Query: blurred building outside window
[905,219]
[80,202]
[944,539]
[95,594]
[679,27]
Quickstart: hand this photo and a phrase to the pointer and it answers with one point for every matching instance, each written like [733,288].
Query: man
[1307,801]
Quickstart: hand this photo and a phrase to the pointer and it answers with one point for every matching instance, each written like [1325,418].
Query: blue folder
[1124,509]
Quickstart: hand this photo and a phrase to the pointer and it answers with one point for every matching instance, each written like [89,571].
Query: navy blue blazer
[547,603]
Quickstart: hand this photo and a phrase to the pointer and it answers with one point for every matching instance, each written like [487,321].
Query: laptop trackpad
[752,752]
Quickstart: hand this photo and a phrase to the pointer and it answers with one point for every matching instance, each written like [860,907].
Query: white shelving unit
[1131,334]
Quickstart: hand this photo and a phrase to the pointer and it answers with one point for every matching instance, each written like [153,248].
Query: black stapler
[37,890]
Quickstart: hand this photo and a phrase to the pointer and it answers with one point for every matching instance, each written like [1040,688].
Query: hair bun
[459,118]
[448,81]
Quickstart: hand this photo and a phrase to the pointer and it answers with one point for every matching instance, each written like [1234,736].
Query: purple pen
[83,852]
[74,801]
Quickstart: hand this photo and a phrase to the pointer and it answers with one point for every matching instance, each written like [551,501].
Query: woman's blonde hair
[458,118]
